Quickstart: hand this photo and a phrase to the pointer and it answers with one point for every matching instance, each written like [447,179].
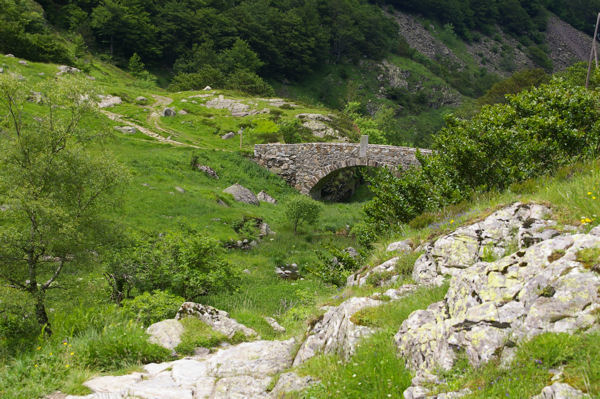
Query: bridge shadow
[344,185]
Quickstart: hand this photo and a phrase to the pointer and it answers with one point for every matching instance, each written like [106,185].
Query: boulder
[166,333]
[228,136]
[1,70]
[180,190]
[126,129]
[388,268]
[496,305]
[335,332]
[264,197]
[219,320]
[352,252]
[560,391]
[241,371]
[274,325]
[207,88]
[109,101]
[516,226]
[141,100]
[23,62]
[169,112]
[265,230]
[208,171]
[288,271]
[242,194]
[182,112]
[400,246]
[10,56]
[65,69]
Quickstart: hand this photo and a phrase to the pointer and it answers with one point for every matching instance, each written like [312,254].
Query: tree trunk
[40,312]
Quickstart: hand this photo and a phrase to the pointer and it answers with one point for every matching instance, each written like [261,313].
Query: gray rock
[228,136]
[219,320]
[335,332]
[169,112]
[242,194]
[9,56]
[265,230]
[241,371]
[180,189]
[141,100]
[264,197]
[519,226]
[292,382]
[400,246]
[288,271]
[65,69]
[23,62]
[1,70]
[126,129]
[560,391]
[166,333]
[352,252]
[182,112]
[109,101]
[360,278]
[274,325]
[490,306]
[208,170]
[207,88]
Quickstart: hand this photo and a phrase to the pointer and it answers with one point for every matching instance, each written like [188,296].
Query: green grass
[375,371]
[197,333]
[578,354]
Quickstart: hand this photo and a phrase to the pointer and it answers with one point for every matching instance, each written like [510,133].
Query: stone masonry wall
[304,165]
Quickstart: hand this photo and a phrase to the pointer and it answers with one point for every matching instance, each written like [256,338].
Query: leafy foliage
[152,307]
[302,209]
[535,132]
[53,187]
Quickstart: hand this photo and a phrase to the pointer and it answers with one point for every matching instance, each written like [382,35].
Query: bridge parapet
[304,165]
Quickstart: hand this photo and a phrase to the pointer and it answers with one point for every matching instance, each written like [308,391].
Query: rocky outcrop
[236,107]
[387,271]
[126,129]
[166,333]
[335,332]
[242,194]
[243,371]
[516,226]
[292,382]
[496,305]
[288,271]
[210,172]
[560,391]
[566,44]
[400,246]
[274,325]
[109,101]
[264,197]
[219,320]
[317,124]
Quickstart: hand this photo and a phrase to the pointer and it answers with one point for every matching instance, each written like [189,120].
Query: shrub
[248,82]
[206,76]
[536,132]
[335,266]
[302,209]
[117,346]
[294,132]
[18,325]
[151,308]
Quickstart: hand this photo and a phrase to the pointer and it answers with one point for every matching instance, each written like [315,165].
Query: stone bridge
[304,165]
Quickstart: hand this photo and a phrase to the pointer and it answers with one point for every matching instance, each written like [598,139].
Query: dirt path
[147,132]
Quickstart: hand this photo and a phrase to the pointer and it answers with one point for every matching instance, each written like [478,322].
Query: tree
[136,66]
[53,187]
[302,209]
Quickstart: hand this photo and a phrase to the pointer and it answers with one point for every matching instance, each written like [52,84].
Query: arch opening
[343,185]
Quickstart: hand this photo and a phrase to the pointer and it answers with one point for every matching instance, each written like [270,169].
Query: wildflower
[67,366]
[353,375]
[593,197]
[65,343]
[72,353]
[35,365]
[452,221]
[38,348]
[50,353]
[589,193]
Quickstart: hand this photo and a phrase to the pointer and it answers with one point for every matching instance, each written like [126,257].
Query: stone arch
[336,166]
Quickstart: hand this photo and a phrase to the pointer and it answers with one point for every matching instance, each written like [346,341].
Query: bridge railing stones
[304,165]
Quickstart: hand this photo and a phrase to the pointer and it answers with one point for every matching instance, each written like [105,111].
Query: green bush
[302,209]
[18,326]
[248,82]
[335,266]
[117,346]
[294,132]
[151,308]
[206,76]
[536,132]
